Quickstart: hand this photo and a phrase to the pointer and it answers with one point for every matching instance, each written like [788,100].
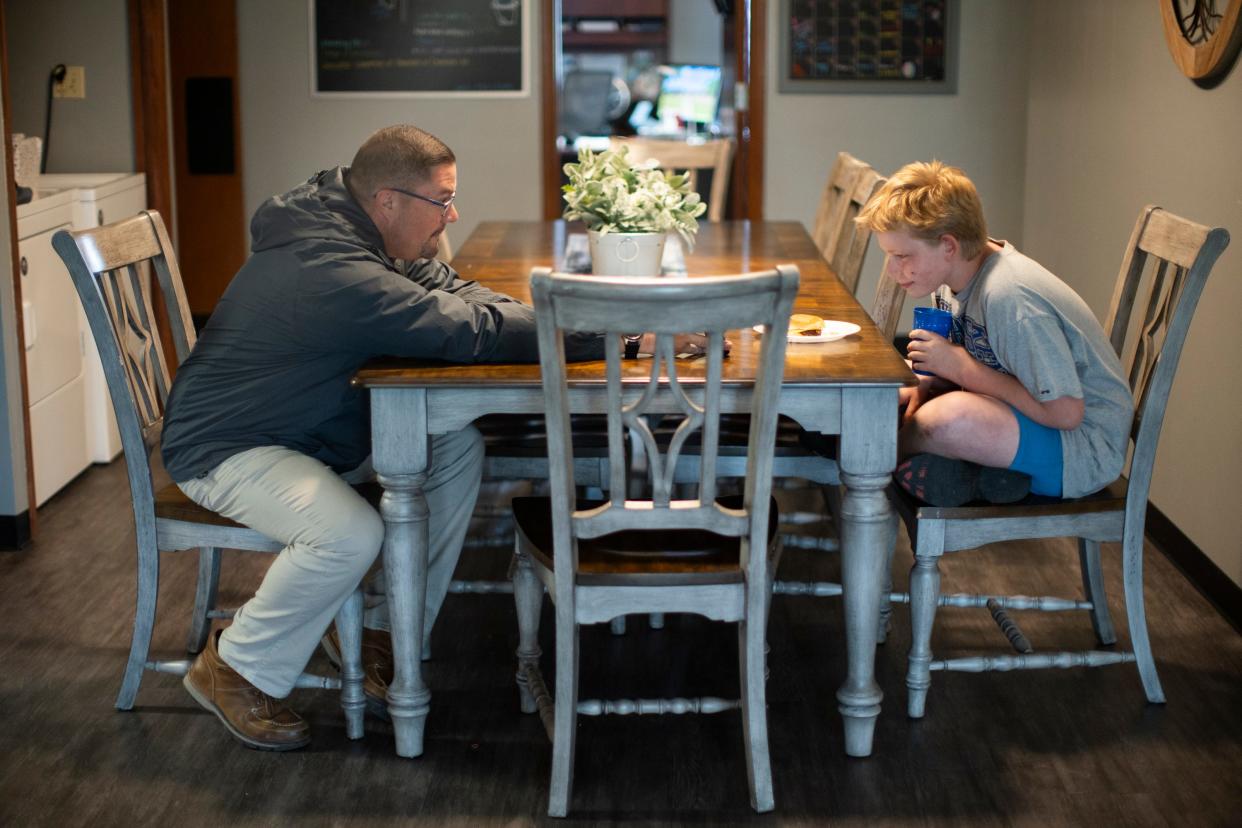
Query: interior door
[211,221]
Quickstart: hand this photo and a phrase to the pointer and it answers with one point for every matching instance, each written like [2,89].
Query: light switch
[73,85]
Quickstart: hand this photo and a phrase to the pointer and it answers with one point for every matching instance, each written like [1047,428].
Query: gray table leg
[868,455]
[400,454]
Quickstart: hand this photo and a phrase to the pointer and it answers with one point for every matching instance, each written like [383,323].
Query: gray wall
[94,134]
[695,32]
[288,135]
[982,128]
[1113,125]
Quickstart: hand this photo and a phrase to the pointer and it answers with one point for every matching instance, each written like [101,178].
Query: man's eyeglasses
[444,206]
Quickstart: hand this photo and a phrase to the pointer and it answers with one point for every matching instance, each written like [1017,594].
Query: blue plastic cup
[935,320]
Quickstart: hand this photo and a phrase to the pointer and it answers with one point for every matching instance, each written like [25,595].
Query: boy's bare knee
[955,406]
[942,423]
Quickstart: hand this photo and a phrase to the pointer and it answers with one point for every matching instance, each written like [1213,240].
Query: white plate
[832,330]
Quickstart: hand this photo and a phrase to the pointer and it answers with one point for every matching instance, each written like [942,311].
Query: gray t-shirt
[1016,317]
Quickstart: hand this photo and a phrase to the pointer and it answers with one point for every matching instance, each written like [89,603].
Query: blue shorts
[1039,455]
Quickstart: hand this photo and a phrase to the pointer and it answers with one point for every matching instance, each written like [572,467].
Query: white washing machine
[101,198]
[55,346]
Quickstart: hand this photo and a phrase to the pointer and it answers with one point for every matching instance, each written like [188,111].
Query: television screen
[689,93]
[584,103]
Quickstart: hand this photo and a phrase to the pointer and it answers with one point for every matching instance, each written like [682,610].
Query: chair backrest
[841,242]
[110,266]
[444,249]
[887,304]
[681,156]
[617,305]
[1162,275]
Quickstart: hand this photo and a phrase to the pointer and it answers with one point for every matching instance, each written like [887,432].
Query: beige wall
[287,135]
[982,128]
[1112,126]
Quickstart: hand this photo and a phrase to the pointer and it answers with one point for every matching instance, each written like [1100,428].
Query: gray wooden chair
[885,312]
[1162,275]
[515,444]
[698,555]
[817,464]
[841,242]
[713,156]
[110,266]
[812,458]
[886,306]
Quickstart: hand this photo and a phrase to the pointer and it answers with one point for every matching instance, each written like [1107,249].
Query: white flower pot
[626,254]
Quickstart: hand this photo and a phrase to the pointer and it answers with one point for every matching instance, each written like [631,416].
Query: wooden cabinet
[614,8]
[614,25]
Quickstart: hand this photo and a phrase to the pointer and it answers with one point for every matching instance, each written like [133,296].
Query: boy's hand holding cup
[932,320]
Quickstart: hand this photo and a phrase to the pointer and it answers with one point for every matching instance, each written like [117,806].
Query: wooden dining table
[847,387]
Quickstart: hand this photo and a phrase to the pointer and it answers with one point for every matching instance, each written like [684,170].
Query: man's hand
[932,352]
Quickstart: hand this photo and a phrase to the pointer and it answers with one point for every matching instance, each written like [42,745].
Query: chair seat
[525,435]
[735,432]
[1111,498]
[821,445]
[172,504]
[685,556]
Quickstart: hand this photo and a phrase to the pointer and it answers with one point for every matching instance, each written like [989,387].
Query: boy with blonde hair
[1027,392]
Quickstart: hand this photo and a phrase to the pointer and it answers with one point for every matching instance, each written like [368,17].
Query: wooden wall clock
[1203,36]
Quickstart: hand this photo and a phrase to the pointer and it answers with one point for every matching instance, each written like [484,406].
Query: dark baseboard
[14,530]
[1198,568]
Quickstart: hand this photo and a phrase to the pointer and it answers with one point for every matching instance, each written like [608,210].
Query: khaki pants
[332,537]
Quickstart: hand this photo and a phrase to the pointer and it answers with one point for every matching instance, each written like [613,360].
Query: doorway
[211,220]
[606,63]
[184,73]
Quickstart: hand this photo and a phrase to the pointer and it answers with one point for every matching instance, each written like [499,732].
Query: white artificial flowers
[612,196]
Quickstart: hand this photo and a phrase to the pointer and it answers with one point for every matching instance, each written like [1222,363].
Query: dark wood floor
[1045,748]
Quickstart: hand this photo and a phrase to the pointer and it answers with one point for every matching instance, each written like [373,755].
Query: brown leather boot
[253,717]
[377,669]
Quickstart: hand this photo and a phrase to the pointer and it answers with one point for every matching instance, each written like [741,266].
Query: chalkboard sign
[419,47]
[869,45]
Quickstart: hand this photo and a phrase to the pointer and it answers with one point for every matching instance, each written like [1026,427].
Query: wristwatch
[632,343]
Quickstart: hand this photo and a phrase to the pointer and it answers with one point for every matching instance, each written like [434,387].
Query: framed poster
[420,48]
[869,46]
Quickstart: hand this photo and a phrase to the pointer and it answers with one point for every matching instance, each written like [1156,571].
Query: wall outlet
[73,85]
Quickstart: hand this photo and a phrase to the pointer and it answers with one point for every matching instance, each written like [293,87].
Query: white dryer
[55,345]
[101,198]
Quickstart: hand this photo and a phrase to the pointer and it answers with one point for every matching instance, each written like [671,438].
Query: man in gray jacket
[263,427]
